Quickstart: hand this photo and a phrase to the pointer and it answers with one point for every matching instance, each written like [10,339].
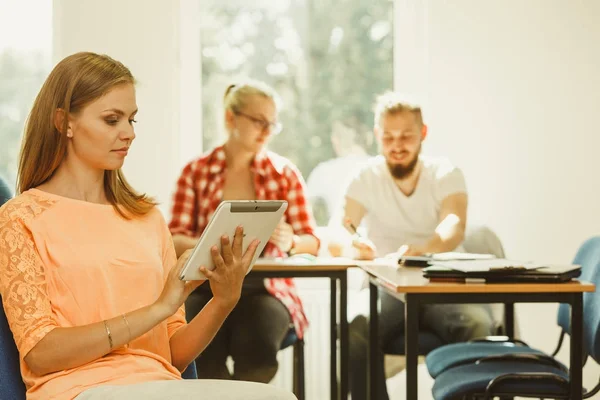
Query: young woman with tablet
[88,274]
[242,169]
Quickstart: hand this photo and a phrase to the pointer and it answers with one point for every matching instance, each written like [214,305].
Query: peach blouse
[65,263]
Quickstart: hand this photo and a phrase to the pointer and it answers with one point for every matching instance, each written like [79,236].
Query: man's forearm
[449,234]
[438,245]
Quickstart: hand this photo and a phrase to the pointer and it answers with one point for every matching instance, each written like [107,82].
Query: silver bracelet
[128,327]
[110,341]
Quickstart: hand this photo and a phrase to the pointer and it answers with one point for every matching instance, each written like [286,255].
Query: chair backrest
[481,239]
[5,192]
[588,256]
[11,383]
[190,372]
[290,338]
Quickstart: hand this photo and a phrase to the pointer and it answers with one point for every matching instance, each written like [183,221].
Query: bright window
[25,61]
[328,59]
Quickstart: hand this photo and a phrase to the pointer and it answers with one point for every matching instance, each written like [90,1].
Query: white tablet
[259,218]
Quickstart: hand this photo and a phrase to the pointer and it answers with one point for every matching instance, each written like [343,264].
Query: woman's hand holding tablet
[258,218]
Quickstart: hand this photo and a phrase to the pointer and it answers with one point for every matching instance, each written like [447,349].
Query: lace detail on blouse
[22,275]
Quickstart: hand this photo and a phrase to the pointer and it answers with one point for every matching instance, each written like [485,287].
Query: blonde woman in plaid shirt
[242,169]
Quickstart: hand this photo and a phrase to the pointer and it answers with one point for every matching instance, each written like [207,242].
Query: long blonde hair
[74,82]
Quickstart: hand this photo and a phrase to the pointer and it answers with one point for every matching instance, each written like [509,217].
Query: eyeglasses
[273,127]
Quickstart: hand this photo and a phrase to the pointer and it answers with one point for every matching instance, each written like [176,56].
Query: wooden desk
[335,270]
[418,291]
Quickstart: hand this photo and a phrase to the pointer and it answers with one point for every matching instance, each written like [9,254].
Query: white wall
[511,90]
[144,35]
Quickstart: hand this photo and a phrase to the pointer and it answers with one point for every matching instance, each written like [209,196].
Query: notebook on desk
[509,273]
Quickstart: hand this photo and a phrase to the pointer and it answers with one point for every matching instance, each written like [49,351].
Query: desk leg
[333,383]
[373,365]
[509,319]
[411,345]
[344,336]
[576,362]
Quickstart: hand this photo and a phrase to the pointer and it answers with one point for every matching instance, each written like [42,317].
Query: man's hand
[411,250]
[365,248]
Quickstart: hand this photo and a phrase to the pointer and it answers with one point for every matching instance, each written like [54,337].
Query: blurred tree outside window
[25,61]
[327,59]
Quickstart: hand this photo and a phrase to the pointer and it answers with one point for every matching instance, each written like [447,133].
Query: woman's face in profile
[102,132]
[255,123]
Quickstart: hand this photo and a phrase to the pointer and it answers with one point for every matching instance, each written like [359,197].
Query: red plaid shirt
[200,191]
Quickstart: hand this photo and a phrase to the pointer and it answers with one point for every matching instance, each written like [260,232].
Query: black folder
[545,274]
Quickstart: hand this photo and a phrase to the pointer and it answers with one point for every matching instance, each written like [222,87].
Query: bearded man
[411,205]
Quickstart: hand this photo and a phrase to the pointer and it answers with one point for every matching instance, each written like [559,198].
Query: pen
[352,227]
[400,255]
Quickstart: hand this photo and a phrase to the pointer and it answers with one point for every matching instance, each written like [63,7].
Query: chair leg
[299,369]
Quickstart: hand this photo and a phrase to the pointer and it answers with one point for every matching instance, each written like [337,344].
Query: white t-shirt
[394,219]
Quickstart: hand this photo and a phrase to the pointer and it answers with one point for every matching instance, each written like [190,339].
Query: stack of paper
[454,255]
[496,264]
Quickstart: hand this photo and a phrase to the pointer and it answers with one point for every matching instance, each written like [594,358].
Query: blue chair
[453,355]
[190,372]
[11,383]
[528,372]
[5,192]
[482,240]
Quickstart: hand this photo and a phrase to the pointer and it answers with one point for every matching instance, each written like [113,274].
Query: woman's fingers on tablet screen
[249,254]
[230,256]
[219,262]
[238,240]
[226,249]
